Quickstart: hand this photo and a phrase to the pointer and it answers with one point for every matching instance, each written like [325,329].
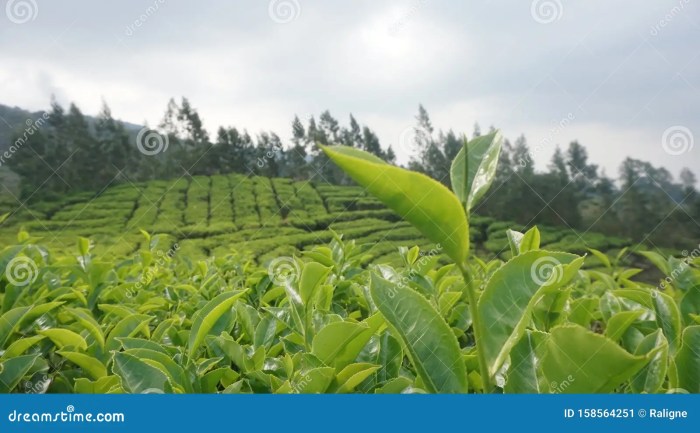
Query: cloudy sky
[622,77]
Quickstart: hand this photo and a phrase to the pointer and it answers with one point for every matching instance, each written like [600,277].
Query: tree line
[76,154]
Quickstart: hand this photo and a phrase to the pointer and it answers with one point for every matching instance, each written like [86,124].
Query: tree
[85,158]
[268,152]
[194,132]
[330,128]
[477,130]
[298,133]
[113,144]
[170,124]
[353,136]
[295,163]
[558,166]
[523,164]
[583,174]
[431,160]
[370,142]
[57,151]
[390,155]
[451,145]
[688,179]
[28,161]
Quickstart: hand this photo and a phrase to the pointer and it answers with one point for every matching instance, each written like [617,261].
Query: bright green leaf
[20,346]
[474,168]
[137,376]
[510,295]
[64,338]
[205,318]
[668,317]
[13,370]
[688,360]
[312,275]
[90,365]
[579,361]
[522,374]
[651,378]
[127,327]
[620,322]
[420,200]
[429,341]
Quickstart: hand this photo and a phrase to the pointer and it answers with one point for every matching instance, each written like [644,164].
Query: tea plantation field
[234,284]
[257,217]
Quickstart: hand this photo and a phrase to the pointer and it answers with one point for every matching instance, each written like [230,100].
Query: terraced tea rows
[256,217]
[542,321]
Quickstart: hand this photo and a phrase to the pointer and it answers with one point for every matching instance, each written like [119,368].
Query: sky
[622,78]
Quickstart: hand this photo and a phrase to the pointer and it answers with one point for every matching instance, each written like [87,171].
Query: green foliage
[333,326]
[298,316]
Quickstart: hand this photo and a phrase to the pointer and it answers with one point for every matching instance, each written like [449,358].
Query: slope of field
[256,217]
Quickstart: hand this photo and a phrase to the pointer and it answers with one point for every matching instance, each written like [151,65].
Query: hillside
[15,119]
[257,217]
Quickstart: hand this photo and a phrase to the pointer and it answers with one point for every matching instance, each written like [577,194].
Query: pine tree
[371,142]
[688,179]
[523,164]
[354,134]
[452,145]
[584,175]
[28,159]
[558,166]
[113,143]
[431,160]
[390,156]
[80,171]
[330,128]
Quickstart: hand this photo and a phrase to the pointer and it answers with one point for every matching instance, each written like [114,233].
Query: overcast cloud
[614,75]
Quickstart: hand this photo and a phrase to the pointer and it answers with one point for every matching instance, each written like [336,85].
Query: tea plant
[504,303]
[333,319]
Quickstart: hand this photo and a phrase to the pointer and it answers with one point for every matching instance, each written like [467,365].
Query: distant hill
[13,119]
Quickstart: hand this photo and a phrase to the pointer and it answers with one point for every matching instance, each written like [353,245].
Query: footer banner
[350,413]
